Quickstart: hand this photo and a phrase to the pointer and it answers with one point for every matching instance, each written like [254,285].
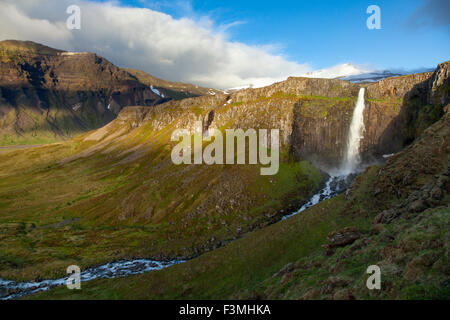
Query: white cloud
[340,70]
[15,24]
[182,49]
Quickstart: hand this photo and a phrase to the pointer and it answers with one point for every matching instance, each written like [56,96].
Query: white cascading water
[110,270]
[339,181]
[352,158]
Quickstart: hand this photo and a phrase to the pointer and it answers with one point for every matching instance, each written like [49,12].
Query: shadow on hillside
[415,115]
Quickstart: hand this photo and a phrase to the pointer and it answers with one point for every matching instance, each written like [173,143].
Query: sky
[231,43]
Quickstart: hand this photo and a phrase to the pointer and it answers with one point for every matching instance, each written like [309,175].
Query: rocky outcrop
[343,237]
[399,109]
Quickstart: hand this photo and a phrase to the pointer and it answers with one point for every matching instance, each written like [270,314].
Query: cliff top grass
[287,95]
[27,47]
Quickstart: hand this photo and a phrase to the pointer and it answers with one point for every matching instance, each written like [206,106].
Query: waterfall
[340,180]
[352,157]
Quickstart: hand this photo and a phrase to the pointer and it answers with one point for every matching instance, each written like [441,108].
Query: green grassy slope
[287,260]
[115,193]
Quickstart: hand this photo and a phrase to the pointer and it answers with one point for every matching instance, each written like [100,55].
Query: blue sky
[325,33]
[227,44]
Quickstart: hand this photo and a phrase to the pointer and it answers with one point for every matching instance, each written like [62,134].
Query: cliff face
[399,109]
[47,93]
[314,115]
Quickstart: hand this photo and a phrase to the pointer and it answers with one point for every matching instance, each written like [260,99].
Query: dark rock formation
[343,237]
[399,109]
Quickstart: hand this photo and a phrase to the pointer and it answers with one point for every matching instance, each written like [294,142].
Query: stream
[122,268]
[335,185]
[10,289]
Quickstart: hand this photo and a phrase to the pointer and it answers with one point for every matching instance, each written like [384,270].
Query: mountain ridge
[47,94]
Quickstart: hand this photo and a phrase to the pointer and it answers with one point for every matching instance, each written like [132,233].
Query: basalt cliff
[314,115]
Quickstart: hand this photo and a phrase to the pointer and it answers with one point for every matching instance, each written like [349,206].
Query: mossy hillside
[228,272]
[410,251]
[412,268]
[126,190]
[286,259]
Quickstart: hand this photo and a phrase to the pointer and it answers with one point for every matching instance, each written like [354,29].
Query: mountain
[352,73]
[47,94]
[395,215]
[114,193]
[348,72]
[335,72]
[374,76]
[174,90]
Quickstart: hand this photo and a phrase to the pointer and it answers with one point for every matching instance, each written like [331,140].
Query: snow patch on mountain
[375,76]
[343,71]
[156,91]
[340,70]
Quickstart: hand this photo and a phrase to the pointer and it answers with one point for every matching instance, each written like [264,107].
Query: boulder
[417,206]
[286,269]
[436,193]
[343,237]
[332,283]
[386,216]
